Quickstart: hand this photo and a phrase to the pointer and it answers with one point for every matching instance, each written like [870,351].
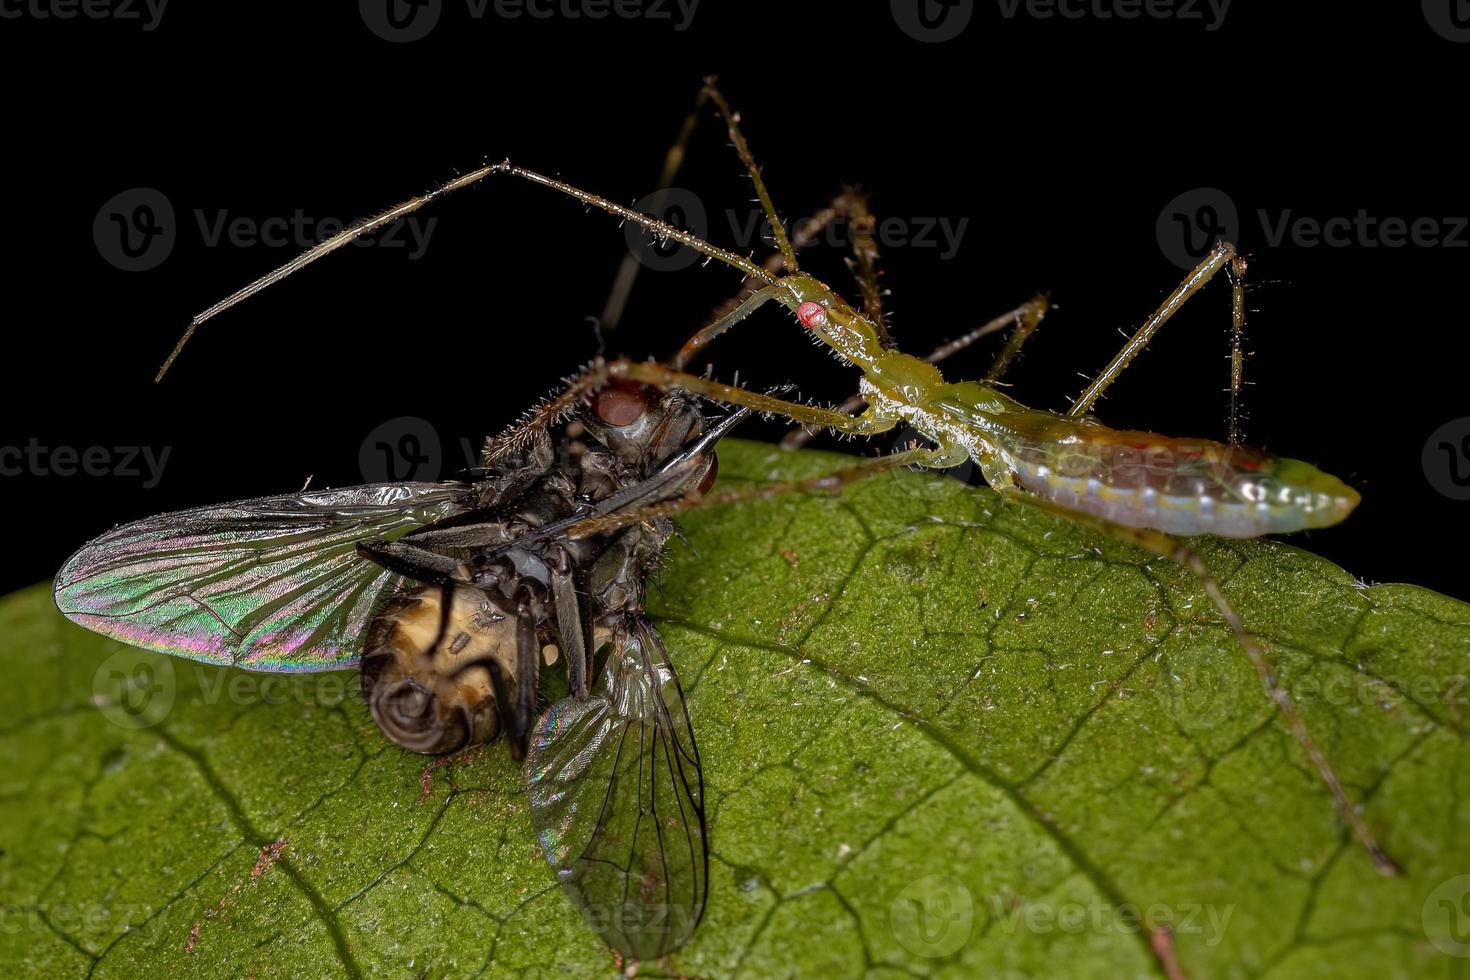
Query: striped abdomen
[1182,486]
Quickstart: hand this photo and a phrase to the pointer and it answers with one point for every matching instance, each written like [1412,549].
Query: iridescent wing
[271,584]
[617,799]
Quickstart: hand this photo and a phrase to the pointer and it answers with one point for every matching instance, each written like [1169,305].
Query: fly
[446,596]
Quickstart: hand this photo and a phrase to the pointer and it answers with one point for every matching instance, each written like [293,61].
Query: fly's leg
[528,667]
[1168,547]
[1221,256]
[663,377]
[570,595]
[412,561]
[833,482]
[1026,317]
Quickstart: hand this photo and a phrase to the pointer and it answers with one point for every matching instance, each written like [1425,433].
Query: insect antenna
[347,236]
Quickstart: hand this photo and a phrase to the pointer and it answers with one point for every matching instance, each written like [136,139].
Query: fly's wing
[617,799]
[271,584]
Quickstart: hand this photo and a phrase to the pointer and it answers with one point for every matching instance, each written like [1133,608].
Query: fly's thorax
[615,581]
[428,678]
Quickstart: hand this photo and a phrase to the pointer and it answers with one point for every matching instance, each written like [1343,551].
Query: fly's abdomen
[1181,486]
[427,672]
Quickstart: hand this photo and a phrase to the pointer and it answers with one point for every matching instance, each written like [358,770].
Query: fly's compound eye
[621,403]
[812,315]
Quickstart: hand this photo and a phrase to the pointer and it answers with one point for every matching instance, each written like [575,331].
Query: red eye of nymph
[813,315]
[621,403]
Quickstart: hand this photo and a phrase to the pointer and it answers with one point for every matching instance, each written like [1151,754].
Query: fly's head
[429,674]
[643,426]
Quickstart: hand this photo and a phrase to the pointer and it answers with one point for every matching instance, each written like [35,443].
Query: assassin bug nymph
[1137,486]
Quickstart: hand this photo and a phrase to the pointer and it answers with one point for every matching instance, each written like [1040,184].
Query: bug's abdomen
[1181,486]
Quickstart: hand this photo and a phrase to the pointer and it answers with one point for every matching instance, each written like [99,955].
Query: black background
[1060,140]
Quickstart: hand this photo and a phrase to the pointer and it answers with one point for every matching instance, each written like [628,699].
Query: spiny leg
[1026,317]
[1167,547]
[1237,346]
[663,377]
[704,335]
[833,482]
[853,205]
[732,125]
[1220,256]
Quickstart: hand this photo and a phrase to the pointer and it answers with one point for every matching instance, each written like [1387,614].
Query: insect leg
[1168,547]
[732,124]
[848,203]
[420,565]
[864,262]
[663,377]
[574,617]
[832,482]
[411,561]
[1028,317]
[709,332]
[505,707]
[1237,345]
[1220,256]
[528,666]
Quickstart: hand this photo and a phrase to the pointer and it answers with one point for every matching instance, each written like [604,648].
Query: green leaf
[939,736]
